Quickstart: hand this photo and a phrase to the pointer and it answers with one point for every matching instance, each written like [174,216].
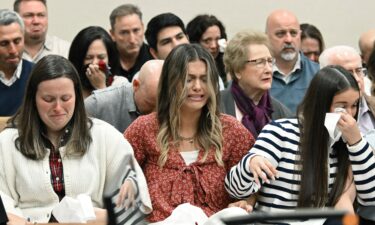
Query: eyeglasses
[261,62]
[359,71]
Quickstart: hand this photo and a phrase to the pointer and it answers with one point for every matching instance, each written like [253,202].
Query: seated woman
[95,57]
[312,42]
[207,30]
[51,149]
[248,60]
[187,147]
[313,169]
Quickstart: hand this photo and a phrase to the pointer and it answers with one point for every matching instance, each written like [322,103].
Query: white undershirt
[190,156]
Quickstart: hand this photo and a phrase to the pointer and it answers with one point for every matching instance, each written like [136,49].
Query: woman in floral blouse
[186,148]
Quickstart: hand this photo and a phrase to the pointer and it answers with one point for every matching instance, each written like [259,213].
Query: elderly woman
[249,62]
[314,168]
[51,149]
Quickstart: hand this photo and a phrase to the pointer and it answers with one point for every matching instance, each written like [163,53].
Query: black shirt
[143,56]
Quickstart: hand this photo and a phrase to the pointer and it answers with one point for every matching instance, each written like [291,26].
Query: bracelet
[350,145]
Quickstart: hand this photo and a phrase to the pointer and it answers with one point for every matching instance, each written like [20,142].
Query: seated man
[37,42]
[14,71]
[164,32]
[292,71]
[127,32]
[121,105]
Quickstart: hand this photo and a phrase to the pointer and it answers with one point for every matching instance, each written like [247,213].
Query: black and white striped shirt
[278,142]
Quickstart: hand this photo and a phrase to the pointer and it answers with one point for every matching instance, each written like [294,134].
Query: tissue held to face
[347,100]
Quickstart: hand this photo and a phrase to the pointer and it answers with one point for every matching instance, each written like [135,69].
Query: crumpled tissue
[74,210]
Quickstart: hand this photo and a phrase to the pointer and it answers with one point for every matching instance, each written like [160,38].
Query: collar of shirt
[48,44]
[286,77]
[365,118]
[16,75]
[63,139]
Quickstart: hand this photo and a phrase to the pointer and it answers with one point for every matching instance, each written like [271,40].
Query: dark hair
[197,26]
[16,5]
[27,120]
[314,142]
[310,31]
[124,10]
[80,46]
[159,22]
[172,93]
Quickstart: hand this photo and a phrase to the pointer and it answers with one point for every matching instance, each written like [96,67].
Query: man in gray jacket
[121,105]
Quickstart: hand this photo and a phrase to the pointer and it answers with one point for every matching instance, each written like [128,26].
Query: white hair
[325,59]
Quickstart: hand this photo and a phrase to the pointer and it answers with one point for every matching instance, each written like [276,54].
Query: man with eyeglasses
[350,59]
[292,71]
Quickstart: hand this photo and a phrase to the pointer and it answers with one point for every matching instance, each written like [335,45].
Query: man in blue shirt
[292,71]
[13,70]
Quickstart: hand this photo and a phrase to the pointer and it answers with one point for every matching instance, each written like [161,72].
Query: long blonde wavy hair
[172,92]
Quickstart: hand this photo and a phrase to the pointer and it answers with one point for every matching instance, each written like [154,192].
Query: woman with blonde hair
[186,148]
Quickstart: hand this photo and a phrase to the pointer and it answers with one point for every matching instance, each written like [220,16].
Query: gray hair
[124,10]
[8,17]
[325,59]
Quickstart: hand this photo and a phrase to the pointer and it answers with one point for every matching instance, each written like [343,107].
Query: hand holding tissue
[330,123]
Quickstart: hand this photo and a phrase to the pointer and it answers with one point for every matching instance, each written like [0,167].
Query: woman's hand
[96,77]
[127,194]
[101,216]
[349,128]
[247,204]
[242,204]
[16,220]
[262,168]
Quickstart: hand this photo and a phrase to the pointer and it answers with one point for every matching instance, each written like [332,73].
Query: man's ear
[154,53]
[136,84]
[111,32]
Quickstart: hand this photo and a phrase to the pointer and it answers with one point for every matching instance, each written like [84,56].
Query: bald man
[366,44]
[121,105]
[292,71]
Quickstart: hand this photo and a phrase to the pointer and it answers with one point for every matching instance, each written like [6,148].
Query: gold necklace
[187,139]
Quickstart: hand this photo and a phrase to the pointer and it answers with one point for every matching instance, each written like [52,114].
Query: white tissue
[187,214]
[330,122]
[222,44]
[71,210]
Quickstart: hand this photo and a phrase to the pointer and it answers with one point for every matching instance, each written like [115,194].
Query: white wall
[340,21]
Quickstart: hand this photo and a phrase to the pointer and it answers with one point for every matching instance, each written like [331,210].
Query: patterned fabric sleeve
[274,139]
[363,167]
[134,134]
[239,138]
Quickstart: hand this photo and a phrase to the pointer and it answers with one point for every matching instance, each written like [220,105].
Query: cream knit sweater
[25,184]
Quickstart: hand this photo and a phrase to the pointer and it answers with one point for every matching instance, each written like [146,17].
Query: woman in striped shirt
[299,165]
